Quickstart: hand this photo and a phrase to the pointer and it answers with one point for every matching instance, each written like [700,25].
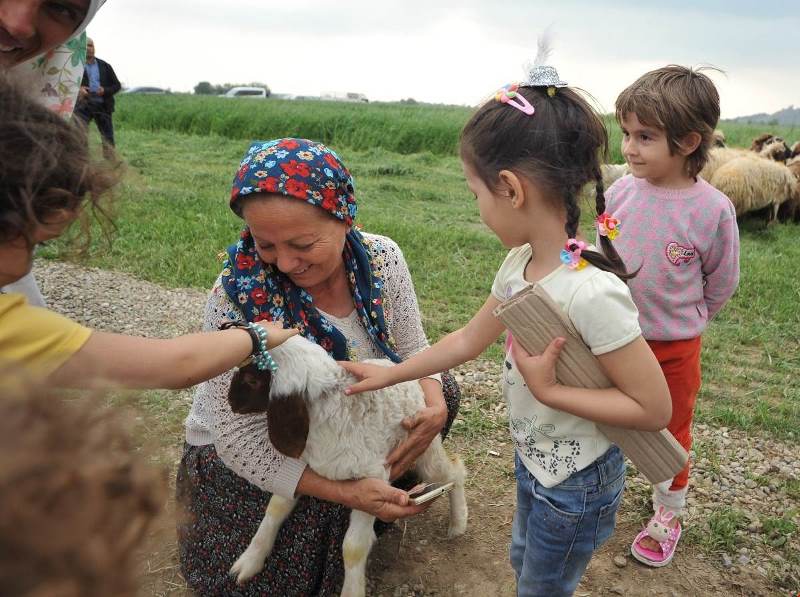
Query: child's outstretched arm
[133,362]
[639,399]
[454,349]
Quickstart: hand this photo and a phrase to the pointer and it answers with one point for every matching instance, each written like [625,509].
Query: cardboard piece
[534,319]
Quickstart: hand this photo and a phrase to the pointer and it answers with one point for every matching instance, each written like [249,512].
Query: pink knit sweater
[687,244]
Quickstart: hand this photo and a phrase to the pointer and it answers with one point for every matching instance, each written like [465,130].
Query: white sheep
[752,183]
[765,146]
[348,437]
[611,172]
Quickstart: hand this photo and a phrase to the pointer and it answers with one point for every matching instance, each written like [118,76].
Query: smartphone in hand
[428,492]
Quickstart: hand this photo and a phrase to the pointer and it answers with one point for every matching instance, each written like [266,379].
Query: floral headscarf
[310,172]
[60,70]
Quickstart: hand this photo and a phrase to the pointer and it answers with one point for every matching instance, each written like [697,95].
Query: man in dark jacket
[96,97]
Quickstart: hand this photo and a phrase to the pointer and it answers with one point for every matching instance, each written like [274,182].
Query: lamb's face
[303,368]
[305,373]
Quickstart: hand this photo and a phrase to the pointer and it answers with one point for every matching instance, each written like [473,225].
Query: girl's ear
[511,186]
[689,143]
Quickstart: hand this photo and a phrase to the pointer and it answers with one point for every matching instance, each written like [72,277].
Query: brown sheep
[789,211]
[770,146]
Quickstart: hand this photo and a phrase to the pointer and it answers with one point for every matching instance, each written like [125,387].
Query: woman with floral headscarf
[45,41]
[301,261]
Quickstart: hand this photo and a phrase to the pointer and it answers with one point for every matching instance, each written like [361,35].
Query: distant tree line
[206,88]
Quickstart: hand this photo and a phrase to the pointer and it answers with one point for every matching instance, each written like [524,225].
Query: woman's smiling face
[301,240]
[29,28]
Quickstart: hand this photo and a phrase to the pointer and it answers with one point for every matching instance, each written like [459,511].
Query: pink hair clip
[607,225]
[507,94]
[571,254]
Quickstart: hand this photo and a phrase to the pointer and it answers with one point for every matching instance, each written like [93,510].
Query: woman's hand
[539,371]
[377,497]
[276,333]
[422,426]
[372,377]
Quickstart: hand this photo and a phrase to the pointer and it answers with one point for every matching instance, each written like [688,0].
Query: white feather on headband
[539,73]
[544,47]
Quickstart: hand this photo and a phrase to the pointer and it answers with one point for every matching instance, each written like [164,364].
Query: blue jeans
[557,529]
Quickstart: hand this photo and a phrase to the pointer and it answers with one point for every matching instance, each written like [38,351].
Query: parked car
[151,90]
[253,92]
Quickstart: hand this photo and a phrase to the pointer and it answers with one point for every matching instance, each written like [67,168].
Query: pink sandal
[667,537]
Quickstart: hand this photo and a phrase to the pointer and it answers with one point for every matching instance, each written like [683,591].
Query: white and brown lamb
[339,437]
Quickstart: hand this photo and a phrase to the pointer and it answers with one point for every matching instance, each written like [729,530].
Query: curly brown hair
[46,168]
[677,100]
[76,499]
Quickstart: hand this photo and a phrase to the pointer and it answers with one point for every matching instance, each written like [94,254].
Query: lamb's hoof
[353,590]
[457,527]
[247,566]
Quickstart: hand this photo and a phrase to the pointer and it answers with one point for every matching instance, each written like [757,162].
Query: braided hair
[559,147]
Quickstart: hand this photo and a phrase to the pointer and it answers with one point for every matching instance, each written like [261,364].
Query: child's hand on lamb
[371,377]
[539,371]
[277,334]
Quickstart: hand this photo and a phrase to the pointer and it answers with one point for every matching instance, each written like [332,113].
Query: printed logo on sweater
[678,254]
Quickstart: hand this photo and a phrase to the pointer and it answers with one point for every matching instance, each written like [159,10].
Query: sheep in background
[795,152]
[718,138]
[718,156]
[339,437]
[769,146]
[789,211]
[611,172]
[765,145]
[752,183]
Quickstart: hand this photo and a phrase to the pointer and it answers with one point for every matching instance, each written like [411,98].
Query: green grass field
[398,128]
[173,220]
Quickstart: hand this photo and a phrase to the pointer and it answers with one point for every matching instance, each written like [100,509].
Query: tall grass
[396,128]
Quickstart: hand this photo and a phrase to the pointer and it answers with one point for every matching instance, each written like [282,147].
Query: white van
[253,92]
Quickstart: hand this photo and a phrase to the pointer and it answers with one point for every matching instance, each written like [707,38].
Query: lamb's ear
[249,391]
[287,418]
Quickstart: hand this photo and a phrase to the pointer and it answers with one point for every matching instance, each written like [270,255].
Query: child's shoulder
[621,185]
[516,259]
[712,197]
[584,285]
[600,307]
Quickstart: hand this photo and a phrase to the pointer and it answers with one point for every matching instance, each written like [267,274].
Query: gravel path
[754,476]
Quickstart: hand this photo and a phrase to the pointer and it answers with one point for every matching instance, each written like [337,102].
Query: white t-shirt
[551,443]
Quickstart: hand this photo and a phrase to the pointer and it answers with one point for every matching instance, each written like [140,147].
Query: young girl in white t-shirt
[526,154]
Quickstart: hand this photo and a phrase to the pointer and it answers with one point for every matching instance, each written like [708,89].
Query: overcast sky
[452,51]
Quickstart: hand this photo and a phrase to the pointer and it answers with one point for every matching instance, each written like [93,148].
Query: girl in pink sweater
[682,233]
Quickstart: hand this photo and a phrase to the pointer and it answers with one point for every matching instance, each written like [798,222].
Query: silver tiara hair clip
[541,74]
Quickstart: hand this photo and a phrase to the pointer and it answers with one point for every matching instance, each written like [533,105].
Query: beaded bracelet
[259,355]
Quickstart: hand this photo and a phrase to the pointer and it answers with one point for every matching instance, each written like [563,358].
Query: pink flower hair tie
[508,94]
[607,225]
[571,254]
